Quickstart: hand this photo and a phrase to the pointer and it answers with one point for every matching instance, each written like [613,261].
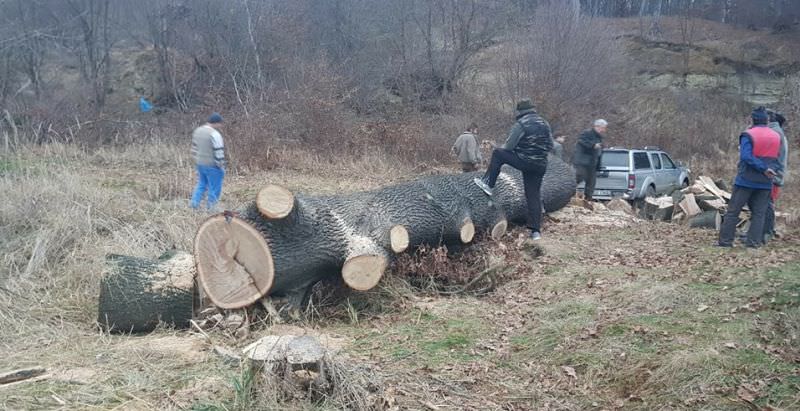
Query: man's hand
[598,146]
[770,173]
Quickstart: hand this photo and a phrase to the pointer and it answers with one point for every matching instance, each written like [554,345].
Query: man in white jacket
[467,149]
[208,151]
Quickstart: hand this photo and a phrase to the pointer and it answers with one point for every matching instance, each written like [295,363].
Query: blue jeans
[209,178]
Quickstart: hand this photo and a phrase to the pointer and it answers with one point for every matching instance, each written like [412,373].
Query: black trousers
[469,167]
[531,178]
[758,201]
[586,174]
[769,219]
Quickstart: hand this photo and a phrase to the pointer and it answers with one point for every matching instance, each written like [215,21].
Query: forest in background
[350,77]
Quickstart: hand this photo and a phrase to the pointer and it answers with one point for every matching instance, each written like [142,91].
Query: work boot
[483,185]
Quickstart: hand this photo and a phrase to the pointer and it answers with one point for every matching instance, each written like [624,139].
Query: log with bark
[283,243]
[708,219]
[136,294]
[657,208]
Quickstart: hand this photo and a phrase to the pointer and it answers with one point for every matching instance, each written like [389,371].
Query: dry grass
[619,307]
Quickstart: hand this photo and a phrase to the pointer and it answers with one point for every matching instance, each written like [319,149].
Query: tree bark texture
[708,219]
[349,234]
[137,293]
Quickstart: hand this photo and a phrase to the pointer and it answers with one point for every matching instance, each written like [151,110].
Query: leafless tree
[688,23]
[91,18]
[26,41]
[566,62]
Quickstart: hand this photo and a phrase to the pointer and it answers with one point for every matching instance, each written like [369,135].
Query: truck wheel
[685,183]
[650,192]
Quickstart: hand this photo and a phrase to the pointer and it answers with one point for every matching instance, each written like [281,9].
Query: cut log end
[275,202]
[499,230]
[363,272]
[234,262]
[398,237]
[467,232]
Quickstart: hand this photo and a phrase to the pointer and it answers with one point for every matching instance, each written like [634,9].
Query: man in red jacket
[759,148]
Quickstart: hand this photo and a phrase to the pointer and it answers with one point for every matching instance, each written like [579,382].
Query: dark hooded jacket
[585,153]
[530,138]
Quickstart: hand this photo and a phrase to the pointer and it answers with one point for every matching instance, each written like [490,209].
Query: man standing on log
[587,155]
[467,150]
[208,151]
[776,122]
[526,149]
[759,149]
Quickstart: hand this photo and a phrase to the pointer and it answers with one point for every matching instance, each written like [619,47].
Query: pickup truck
[633,174]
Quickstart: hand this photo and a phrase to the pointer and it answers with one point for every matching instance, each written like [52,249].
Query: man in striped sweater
[208,151]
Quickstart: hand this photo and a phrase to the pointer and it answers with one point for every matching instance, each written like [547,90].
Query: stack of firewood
[700,205]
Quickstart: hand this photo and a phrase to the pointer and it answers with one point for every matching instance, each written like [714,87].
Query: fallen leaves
[569,371]
[748,393]
[590,332]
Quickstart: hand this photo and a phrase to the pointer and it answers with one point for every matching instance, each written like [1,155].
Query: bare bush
[567,62]
[691,125]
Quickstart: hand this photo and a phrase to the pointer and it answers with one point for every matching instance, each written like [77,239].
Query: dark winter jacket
[782,156]
[530,138]
[558,150]
[585,153]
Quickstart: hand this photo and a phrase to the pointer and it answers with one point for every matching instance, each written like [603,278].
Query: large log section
[137,293]
[282,243]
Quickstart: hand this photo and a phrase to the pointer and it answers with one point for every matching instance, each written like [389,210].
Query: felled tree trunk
[137,293]
[282,243]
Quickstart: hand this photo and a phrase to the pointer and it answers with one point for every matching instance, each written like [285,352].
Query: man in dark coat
[526,149]
[587,155]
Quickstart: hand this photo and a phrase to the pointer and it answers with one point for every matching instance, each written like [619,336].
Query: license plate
[602,192]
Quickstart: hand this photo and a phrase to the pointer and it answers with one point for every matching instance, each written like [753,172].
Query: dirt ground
[607,312]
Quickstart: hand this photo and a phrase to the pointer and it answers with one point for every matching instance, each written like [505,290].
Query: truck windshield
[614,159]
